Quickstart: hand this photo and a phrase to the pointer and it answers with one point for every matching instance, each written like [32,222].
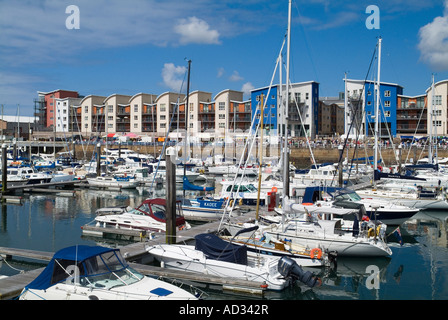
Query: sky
[103,47]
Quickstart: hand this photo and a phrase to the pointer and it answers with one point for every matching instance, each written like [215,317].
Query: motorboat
[13,178]
[33,176]
[205,208]
[243,192]
[214,256]
[97,273]
[318,227]
[384,211]
[113,181]
[159,170]
[149,216]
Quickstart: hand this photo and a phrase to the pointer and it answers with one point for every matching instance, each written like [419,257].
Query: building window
[222,125]
[387,113]
[222,116]
[86,109]
[135,107]
[387,103]
[135,117]
[438,100]
[135,125]
[162,107]
[222,106]
[163,125]
[437,123]
[387,93]
[110,109]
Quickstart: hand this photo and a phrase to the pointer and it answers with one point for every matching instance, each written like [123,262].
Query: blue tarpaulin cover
[74,253]
[217,249]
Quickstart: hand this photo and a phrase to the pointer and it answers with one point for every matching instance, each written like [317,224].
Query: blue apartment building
[270,120]
[306,94]
[388,108]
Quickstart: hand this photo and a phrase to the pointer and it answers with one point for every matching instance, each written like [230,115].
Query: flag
[397,234]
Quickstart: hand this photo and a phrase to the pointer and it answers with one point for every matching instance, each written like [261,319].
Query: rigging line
[418,124]
[356,112]
[252,143]
[168,131]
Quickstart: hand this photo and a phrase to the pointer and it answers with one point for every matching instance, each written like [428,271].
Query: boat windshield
[350,196]
[242,188]
[106,271]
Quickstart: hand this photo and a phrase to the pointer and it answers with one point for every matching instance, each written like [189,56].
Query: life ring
[316,253]
[274,189]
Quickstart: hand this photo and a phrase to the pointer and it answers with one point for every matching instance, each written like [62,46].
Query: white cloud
[194,30]
[220,73]
[235,76]
[173,77]
[433,44]
[247,88]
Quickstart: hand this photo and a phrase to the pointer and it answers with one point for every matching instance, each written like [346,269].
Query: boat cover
[67,256]
[217,249]
[189,186]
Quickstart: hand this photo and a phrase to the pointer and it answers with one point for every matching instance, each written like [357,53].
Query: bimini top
[59,266]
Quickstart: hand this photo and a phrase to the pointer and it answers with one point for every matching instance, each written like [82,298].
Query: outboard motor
[289,268]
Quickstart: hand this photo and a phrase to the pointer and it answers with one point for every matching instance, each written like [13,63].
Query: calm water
[417,270]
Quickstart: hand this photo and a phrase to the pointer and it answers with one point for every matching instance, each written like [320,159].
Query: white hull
[129,221]
[102,182]
[403,199]
[344,244]
[138,291]
[186,258]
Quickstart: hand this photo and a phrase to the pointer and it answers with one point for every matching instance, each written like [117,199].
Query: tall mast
[285,149]
[377,108]
[186,124]
[431,122]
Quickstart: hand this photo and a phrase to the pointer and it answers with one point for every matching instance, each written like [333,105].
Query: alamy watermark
[373,280]
[73,21]
[373,20]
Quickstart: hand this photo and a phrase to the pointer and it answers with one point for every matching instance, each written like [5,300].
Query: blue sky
[135,46]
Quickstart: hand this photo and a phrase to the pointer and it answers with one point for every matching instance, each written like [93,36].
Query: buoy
[316,253]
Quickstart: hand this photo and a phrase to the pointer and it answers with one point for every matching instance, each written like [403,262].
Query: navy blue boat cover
[74,254]
[217,249]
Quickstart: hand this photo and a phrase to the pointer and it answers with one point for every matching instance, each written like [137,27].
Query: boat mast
[431,123]
[377,110]
[286,149]
[186,124]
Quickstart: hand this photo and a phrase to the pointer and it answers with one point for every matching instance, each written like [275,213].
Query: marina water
[417,270]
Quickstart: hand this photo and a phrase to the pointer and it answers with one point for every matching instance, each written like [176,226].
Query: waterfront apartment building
[303,111]
[46,106]
[412,116]
[158,116]
[437,104]
[363,93]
